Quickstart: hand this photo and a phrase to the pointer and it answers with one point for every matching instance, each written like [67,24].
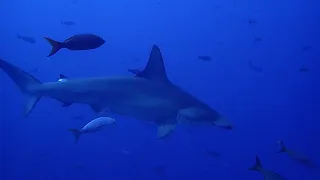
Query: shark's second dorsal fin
[155,69]
[63,76]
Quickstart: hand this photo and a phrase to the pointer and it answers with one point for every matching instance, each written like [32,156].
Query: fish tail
[56,46]
[25,81]
[282,147]
[257,166]
[76,133]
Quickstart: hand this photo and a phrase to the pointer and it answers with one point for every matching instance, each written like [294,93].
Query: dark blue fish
[255,68]
[68,23]
[26,39]
[306,48]
[205,58]
[252,21]
[257,39]
[76,42]
[304,69]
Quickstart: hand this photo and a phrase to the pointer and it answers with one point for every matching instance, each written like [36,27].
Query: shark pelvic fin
[155,69]
[96,108]
[76,133]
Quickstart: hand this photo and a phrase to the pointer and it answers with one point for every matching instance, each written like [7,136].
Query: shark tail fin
[76,133]
[257,166]
[56,46]
[282,147]
[25,81]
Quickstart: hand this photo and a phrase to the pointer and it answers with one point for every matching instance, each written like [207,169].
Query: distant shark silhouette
[148,96]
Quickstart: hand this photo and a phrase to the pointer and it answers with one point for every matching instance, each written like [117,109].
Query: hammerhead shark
[148,96]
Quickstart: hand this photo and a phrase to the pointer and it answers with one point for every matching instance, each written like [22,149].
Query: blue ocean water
[263,75]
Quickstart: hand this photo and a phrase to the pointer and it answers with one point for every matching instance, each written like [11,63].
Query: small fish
[125,151]
[255,68]
[304,69]
[251,21]
[205,58]
[296,156]
[257,39]
[67,23]
[268,175]
[306,48]
[27,39]
[159,170]
[76,42]
[134,71]
[92,126]
[213,153]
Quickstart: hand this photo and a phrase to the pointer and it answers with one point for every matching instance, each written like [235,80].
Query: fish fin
[282,147]
[76,133]
[56,46]
[63,76]
[257,166]
[155,69]
[25,82]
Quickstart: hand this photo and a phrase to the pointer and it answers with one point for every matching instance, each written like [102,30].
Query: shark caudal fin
[76,133]
[257,166]
[25,81]
[56,46]
[282,147]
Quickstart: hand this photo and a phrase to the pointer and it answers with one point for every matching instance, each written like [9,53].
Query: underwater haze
[257,63]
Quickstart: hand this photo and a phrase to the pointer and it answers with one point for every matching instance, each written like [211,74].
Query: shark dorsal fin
[155,69]
[63,76]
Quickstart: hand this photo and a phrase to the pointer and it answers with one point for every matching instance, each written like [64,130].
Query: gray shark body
[148,96]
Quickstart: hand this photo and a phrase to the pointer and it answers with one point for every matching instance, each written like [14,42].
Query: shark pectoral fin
[223,122]
[31,102]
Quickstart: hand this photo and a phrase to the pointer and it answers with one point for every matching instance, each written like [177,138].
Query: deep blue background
[278,103]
